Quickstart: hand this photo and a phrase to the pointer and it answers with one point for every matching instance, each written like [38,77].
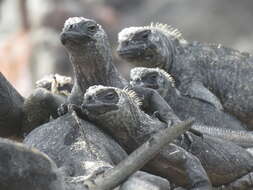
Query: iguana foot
[243,183]
[62,110]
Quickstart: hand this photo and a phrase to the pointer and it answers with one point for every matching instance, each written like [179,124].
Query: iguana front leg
[188,163]
[243,183]
[160,108]
[197,90]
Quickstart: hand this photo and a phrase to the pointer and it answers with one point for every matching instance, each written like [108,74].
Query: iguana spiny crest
[169,30]
[154,78]
[149,45]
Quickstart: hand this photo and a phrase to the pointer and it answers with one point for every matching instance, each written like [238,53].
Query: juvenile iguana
[91,56]
[209,120]
[130,126]
[218,75]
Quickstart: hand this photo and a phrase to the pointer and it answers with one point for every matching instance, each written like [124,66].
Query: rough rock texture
[23,168]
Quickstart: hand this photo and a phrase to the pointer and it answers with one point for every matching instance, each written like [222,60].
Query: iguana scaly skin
[212,73]
[130,127]
[91,56]
[209,120]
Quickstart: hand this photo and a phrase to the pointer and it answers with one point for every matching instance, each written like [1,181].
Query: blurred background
[29,29]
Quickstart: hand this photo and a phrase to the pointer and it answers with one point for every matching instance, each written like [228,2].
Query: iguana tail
[241,138]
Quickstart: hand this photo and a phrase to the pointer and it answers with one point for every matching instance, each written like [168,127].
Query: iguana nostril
[63,38]
[71,27]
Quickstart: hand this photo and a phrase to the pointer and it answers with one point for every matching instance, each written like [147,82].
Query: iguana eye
[145,35]
[71,26]
[110,96]
[92,28]
[153,77]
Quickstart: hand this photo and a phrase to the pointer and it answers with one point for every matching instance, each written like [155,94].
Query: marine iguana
[218,75]
[91,56]
[209,120]
[130,127]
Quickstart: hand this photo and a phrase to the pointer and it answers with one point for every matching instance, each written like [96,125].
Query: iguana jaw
[133,52]
[150,78]
[138,54]
[74,38]
[98,108]
[99,101]
[144,84]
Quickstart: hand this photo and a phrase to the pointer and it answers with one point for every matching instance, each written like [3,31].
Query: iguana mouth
[153,86]
[136,51]
[132,51]
[145,85]
[98,109]
[75,37]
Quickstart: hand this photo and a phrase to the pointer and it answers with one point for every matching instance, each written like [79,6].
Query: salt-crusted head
[109,105]
[154,78]
[81,35]
[149,46]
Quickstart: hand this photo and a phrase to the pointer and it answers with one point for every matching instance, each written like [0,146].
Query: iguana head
[154,78]
[79,35]
[149,46]
[109,105]
[57,84]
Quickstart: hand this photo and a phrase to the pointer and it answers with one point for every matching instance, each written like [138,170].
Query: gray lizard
[218,75]
[91,56]
[130,126]
[209,120]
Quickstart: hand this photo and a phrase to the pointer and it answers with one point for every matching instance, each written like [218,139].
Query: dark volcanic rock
[23,168]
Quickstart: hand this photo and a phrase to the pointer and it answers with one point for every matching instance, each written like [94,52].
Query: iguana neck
[172,94]
[130,126]
[92,68]
[171,48]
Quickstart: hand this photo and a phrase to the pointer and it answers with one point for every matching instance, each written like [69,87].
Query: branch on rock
[137,159]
